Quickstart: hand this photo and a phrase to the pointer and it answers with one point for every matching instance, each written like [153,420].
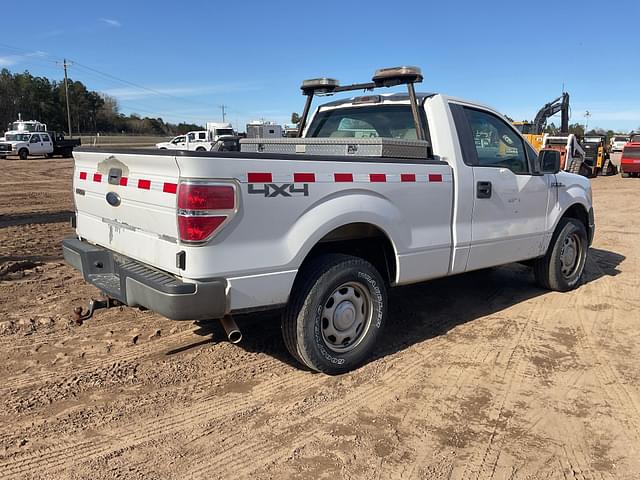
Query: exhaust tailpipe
[233,332]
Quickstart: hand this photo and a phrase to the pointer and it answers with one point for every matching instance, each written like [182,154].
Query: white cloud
[111,22]
[7,61]
[131,93]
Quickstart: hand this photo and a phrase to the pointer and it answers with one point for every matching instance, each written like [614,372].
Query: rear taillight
[204,208]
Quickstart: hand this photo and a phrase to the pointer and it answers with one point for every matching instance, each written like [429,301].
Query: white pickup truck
[323,236]
[198,140]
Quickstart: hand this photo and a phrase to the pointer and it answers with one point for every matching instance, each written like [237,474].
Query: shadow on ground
[422,311]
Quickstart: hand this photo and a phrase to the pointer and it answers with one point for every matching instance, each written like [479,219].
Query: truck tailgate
[127,203]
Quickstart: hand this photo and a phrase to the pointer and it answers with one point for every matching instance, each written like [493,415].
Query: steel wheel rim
[346,317]
[570,255]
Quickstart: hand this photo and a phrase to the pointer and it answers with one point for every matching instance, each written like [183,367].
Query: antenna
[223,107]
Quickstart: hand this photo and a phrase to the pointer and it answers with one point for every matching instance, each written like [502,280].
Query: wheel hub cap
[346,317]
[569,256]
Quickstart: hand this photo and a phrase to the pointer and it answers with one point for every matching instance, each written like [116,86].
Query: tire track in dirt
[203,412]
[242,458]
[611,385]
[127,355]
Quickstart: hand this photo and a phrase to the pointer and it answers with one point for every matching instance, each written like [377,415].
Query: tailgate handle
[483,190]
[114,176]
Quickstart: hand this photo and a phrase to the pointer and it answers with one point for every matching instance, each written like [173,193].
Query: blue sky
[193,56]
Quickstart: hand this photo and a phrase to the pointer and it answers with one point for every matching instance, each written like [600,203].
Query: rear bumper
[139,285]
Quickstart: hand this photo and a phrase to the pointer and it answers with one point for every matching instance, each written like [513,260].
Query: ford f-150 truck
[379,191]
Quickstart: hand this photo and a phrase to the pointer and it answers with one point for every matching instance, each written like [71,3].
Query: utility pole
[66,94]
[223,107]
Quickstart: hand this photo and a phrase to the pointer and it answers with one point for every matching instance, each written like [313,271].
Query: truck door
[35,145]
[510,199]
[47,144]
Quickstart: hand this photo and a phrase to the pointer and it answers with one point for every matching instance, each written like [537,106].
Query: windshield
[391,121]
[24,126]
[17,137]
[631,152]
[224,131]
[620,139]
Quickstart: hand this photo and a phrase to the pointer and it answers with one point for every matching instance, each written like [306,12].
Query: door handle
[483,190]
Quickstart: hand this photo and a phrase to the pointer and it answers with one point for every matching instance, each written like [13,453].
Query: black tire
[201,149]
[23,154]
[306,330]
[49,155]
[624,174]
[550,271]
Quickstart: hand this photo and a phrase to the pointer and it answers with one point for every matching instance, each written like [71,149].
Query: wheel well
[360,240]
[580,213]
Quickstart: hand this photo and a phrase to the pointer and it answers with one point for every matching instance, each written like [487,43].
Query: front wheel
[335,313]
[23,154]
[562,266]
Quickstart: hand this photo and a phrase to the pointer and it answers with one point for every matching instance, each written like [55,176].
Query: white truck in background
[198,140]
[379,191]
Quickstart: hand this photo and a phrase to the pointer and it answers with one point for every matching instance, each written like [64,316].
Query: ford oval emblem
[113,199]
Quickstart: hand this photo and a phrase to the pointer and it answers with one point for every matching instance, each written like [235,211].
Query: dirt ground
[480,376]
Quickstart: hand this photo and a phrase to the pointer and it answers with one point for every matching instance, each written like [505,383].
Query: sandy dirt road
[480,376]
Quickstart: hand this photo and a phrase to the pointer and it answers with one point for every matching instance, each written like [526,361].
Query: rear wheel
[335,314]
[49,155]
[201,149]
[23,154]
[562,266]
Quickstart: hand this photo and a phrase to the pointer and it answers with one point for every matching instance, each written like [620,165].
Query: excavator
[534,131]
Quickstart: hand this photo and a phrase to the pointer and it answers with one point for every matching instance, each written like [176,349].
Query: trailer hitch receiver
[80,316]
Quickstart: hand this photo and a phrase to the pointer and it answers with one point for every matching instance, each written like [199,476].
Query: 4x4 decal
[274,190]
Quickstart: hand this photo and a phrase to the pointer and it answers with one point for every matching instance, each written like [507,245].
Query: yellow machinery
[526,128]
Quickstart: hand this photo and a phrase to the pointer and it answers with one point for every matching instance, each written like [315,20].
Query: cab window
[34,139]
[497,144]
[390,121]
[45,137]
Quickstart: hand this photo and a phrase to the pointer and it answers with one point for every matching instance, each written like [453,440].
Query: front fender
[574,190]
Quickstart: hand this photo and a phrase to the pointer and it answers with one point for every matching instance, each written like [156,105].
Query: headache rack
[353,147]
[384,77]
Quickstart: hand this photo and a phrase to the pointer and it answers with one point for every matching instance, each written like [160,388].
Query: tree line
[38,98]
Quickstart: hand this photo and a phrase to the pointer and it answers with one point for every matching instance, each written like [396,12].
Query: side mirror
[549,161]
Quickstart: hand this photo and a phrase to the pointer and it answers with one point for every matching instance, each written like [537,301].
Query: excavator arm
[560,104]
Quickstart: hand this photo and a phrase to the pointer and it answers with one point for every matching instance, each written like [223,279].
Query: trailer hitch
[79,316]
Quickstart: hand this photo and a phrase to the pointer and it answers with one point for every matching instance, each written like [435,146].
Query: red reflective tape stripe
[83,175]
[124,181]
[144,184]
[169,187]
[407,177]
[258,177]
[377,177]
[304,177]
[97,177]
[435,177]
[343,177]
